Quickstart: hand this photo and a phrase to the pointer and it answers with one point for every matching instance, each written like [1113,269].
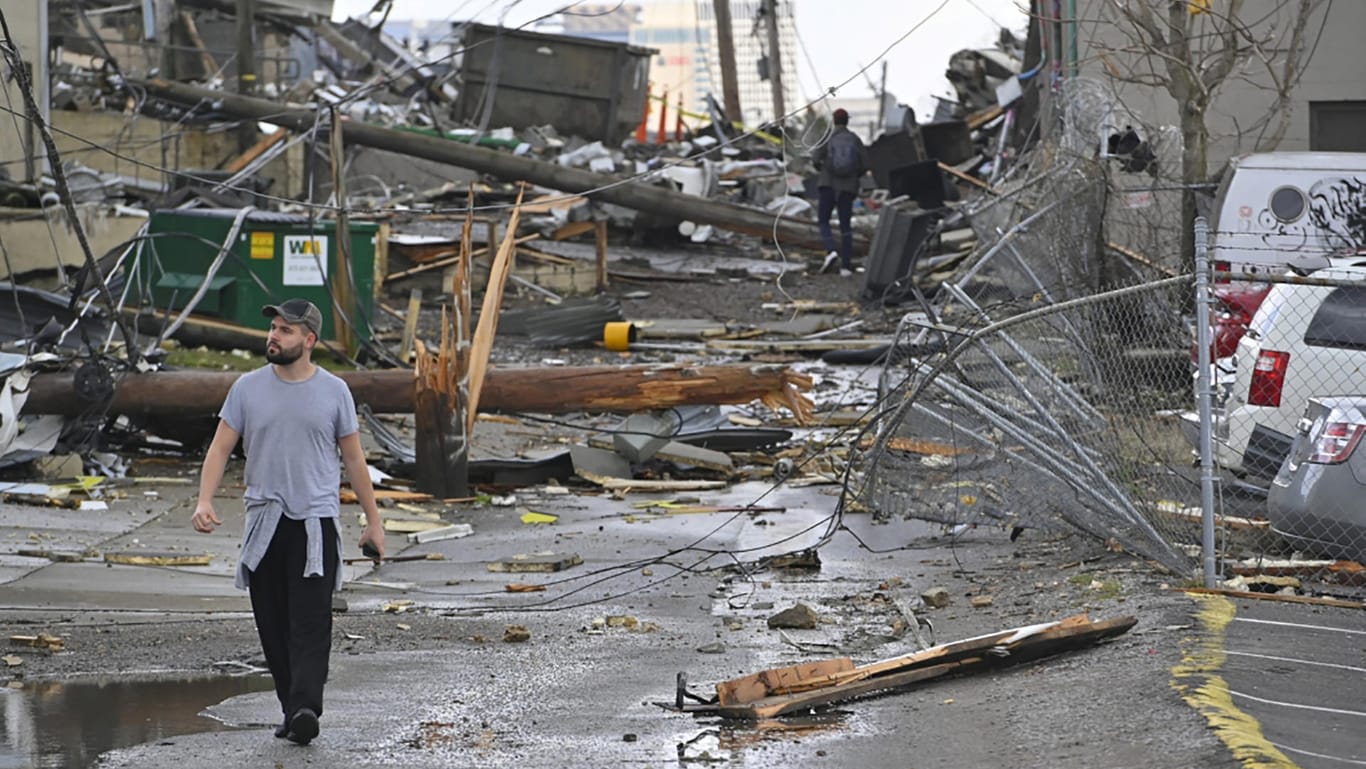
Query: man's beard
[283,357]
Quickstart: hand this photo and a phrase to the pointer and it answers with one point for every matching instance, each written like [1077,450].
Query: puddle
[68,724]
[726,741]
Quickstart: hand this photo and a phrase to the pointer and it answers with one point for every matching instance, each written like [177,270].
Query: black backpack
[844,154]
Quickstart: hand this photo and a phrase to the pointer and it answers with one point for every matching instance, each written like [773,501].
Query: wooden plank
[405,345]
[158,559]
[536,564]
[794,686]
[255,151]
[768,682]
[572,229]
[600,251]
[349,497]
[482,345]
[1255,596]
[1021,645]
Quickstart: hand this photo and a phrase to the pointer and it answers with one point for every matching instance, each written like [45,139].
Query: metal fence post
[1204,383]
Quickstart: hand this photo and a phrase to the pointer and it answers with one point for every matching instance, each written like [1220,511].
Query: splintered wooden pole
[344,307]
[405,345]
[460,292]
[488,314]
[442,404]
[442,446]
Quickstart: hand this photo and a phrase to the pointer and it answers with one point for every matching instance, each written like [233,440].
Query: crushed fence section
[1064,415]
[1028,392]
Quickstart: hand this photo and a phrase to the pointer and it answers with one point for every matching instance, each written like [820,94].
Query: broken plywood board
[154,558]
[454,531]
[411,525]
[536,563]
[788,690]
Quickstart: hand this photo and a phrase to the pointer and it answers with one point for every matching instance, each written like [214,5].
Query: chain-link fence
[1026,395]
[1288,413]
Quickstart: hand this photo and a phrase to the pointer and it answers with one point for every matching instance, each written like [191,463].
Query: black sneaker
[303,727]
[282,730]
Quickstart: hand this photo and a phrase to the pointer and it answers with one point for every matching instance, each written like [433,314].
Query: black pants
[842,204]
[294,614]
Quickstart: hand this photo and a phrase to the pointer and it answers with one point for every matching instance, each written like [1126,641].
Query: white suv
[1304,341]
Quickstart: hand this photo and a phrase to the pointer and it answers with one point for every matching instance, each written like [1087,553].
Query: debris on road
[799,688]
[536,563]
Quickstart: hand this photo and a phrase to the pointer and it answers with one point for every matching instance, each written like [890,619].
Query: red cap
[841,117]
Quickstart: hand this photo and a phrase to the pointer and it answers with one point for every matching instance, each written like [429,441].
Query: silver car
[1318,499]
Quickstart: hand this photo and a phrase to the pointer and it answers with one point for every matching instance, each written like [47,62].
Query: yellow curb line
[1196,678]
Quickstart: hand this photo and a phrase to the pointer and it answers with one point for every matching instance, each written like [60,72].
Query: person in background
[293,418]
[841,160]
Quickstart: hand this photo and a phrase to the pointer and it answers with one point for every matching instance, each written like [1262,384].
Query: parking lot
[1294,678]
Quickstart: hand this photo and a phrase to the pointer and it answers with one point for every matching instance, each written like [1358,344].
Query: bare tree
[1193,49]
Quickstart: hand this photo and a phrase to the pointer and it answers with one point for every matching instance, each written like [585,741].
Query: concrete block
[644,433]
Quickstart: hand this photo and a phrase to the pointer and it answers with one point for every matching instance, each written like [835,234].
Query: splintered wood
[798,688]
[493,302]
[442,407]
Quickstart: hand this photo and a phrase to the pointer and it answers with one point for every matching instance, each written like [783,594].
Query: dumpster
[586,87]
[274,257]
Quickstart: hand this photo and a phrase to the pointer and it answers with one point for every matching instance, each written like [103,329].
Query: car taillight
[1222,266]
[1336,443]
[1268,378]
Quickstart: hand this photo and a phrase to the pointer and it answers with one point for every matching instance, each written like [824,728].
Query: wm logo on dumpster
[305,260]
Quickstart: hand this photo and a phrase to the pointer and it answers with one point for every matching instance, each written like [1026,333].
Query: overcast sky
[839,36]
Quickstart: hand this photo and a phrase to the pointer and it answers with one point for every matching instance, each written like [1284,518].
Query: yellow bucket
[618,336]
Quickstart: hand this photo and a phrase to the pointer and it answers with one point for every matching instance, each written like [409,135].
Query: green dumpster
[273,257]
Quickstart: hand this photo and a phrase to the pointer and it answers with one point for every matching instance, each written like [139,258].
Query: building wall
[1336,72]
[21,151]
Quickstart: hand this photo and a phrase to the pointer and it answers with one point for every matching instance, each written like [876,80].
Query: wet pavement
[69,724]
[583,691]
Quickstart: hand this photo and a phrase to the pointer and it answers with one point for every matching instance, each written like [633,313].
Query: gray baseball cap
[299,312]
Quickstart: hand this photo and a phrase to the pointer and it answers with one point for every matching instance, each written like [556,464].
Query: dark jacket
[839,183]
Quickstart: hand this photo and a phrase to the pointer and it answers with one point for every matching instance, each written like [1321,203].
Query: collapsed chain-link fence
[1041,385]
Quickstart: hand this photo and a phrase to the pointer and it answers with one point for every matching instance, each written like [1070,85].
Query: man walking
[842,161]
[292,417]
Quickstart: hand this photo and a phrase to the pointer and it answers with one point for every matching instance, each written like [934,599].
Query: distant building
[688,63]
[611,22]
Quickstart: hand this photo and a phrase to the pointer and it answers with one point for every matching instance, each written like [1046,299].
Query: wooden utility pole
[246,65]
[881,102]
[549,390]
[505,165]
[725,43]
[343,303]
[775,61]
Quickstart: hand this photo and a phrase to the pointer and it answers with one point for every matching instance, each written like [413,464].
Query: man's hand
[205,520]
[374,536]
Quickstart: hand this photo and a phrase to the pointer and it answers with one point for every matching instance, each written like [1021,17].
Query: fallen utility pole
[555,390]
[639,197]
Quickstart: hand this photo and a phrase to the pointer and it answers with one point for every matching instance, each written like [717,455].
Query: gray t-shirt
[290,432]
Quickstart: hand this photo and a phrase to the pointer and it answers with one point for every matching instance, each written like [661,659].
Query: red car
[1234,306]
